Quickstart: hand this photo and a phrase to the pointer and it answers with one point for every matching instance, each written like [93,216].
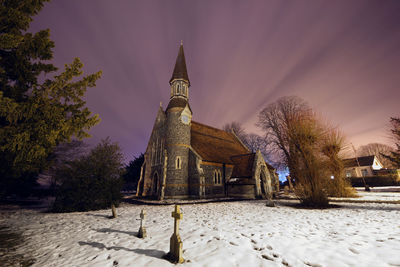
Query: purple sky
[343,57]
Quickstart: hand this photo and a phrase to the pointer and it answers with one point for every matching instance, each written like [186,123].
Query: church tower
[178,125]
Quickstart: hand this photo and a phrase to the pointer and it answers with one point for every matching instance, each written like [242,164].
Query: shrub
[340,188]
[91,182]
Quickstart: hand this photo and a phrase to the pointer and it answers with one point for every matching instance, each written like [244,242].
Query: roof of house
[363,161]
[243,165]
[215,145]
[180,71]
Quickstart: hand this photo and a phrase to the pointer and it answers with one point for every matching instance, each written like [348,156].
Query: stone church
[188,159]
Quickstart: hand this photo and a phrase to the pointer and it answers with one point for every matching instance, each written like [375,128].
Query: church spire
[180,71]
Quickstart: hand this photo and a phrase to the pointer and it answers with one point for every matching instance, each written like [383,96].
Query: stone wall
[195,174]
[212,189]
[241,190]
[177,144]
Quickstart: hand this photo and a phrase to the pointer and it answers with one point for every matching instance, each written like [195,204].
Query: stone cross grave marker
[175,249]
[113,211]
[142,230]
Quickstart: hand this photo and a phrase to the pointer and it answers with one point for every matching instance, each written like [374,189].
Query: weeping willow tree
[331,146]
[309,148]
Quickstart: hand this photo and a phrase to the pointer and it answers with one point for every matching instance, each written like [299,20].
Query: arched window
[217,177]
[178,89]
[161,150]
[178,162]
[157,151]
[153,155]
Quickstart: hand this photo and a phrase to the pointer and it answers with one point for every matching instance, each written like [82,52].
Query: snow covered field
[245,233]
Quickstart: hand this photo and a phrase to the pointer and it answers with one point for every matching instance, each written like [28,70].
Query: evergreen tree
[35,115]
[91,182]
[394,156]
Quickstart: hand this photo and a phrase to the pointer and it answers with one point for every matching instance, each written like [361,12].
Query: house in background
[362,166]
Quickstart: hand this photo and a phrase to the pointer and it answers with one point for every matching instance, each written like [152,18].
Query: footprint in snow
[354,251]
[267,257]
[312,264]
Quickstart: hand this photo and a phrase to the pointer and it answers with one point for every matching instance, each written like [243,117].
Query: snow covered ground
[245,233]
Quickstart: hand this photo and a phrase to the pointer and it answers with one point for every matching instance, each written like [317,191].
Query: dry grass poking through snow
[216,234]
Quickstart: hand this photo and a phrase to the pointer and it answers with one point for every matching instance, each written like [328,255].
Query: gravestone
[175,247]
[114,211]
[142,230]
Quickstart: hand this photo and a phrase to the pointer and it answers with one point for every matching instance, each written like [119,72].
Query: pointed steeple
[180,71]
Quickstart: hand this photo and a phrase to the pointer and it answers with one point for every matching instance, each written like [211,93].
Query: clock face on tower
[185,119]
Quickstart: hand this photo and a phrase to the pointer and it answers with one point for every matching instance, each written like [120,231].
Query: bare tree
[276,120]
[378,150]
[237,128]
[255,142]
[394,156]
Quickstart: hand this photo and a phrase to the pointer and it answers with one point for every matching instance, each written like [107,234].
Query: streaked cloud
[343,57]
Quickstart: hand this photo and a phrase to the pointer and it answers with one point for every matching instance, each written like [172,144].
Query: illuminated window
[178,162]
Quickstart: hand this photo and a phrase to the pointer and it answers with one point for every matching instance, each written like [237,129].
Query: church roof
[180,71]
[364,161]
[215,145]
[243,165]
[178,102]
